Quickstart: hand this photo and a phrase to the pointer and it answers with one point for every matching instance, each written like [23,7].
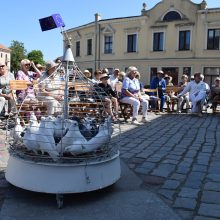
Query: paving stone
[171,184]
[189,192]
[142,170]
[148,165]
[127,155]
[178,176]
[210,210]
[163,170]
[214,177]
[153,159]
[137,160]
[212,186]
[183,169]
[169,161]
[187,215]
[199,168]
[203,218]
[211,197]
[187,203]
[169,194]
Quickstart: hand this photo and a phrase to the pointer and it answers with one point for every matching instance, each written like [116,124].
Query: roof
[2,47]
[103,20]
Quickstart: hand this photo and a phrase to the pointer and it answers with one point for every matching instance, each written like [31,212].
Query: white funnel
[68,55]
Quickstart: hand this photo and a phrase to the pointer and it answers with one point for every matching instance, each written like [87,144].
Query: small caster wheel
[59,198]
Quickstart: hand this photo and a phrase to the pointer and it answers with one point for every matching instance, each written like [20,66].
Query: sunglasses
[28,64]
[2,66]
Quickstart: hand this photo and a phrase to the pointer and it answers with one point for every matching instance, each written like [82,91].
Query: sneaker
[145,120]
[178,111]
[188,111]
[135,122]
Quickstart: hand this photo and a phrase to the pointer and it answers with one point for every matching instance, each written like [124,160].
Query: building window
[158,41]
[213,39]
[132,43]
[77,48]
[1,55]
[89,47]
[210,74]
[184,40]
[172,16]
[108,44]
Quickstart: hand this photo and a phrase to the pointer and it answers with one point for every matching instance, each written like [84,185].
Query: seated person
[113,79]
[197,93]
[7,102]
[131,94]
[185,98]
[25,74]
[215,93]
[96,78]
[109,96]
[50,89]
[159,83]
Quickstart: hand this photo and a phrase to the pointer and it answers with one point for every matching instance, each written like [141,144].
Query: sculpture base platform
[62,178]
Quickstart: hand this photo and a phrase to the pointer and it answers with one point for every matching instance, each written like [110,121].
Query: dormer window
[172,16]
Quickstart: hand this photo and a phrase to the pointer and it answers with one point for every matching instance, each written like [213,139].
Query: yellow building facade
[177,36]
[5,55]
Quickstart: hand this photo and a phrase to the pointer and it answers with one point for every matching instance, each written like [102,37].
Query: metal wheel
[59,199]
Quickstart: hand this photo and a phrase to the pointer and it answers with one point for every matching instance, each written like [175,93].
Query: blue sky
[19,19]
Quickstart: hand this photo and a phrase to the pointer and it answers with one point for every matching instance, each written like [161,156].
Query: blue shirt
[158,83]
[132,85]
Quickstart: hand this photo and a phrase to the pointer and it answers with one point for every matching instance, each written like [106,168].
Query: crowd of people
[192,93]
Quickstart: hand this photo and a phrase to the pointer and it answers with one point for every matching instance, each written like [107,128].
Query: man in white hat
[197,93]
[50,89]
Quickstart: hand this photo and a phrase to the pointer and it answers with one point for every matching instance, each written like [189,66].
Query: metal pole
[66,92]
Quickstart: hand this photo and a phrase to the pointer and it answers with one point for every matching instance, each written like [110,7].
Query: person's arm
[36,69]
[185,90]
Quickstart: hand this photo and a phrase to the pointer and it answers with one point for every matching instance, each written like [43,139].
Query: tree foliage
[36,56]
[18,53]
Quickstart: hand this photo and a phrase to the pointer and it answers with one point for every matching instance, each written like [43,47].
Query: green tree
[18,53]
[36,56]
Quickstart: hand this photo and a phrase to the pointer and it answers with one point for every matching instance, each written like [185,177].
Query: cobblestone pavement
[176,156]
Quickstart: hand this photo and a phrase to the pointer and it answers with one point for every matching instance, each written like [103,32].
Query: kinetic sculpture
[74,150]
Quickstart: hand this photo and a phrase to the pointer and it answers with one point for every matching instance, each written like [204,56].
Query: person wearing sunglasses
[25,74]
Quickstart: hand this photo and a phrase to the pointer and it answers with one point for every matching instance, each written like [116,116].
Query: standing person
[6,98]
[131,94]
[185,98]
[197,93]
[25,74]
[159,83]
[50,89]
[114,78]
[110,98]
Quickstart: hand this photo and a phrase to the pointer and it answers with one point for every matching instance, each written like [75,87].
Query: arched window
[171,16]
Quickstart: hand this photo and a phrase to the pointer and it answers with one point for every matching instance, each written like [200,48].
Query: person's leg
[135,103]
[115,104]
[179,103]
[162,102]
[108,106]
[2,103]
[193,100]
[145,105]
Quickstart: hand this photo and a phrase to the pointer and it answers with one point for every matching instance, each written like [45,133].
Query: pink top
[21,94]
